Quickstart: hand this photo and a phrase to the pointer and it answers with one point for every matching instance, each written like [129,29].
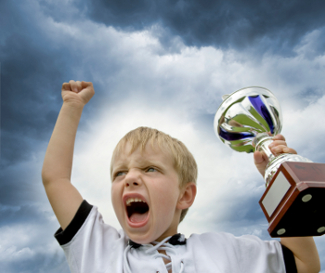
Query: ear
[187,196]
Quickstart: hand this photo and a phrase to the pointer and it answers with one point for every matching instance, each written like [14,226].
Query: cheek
[116,198]
[168,197]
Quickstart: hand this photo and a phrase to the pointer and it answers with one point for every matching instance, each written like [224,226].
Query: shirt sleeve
[89,244]
[257,255]
[65,236]
[289,260]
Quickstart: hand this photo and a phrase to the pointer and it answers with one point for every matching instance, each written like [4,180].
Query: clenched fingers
[74,86]
[279,146]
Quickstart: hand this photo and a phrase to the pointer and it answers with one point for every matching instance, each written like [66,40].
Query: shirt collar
[177,239]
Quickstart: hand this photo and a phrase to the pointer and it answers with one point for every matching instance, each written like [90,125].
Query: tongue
[138,217]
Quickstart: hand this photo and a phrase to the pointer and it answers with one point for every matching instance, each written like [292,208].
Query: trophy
[294,199]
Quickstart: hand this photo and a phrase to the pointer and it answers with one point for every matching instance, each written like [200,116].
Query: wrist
[72,111]
[73,104]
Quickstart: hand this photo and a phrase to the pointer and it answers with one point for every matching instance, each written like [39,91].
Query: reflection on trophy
[294,200]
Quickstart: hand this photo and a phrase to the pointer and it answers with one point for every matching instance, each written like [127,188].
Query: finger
[74,86]
[277,143]
[86,84]
[289,150]
[66,86]
[279,137]
[79,85]
[281,149]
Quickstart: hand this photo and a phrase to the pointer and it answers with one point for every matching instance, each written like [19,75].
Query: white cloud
[304,129]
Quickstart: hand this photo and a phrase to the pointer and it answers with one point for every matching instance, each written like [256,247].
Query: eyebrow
[142,163]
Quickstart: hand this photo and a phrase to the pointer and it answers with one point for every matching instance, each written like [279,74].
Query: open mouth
[137,210]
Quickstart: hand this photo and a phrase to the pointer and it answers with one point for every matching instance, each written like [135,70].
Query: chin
[141,238]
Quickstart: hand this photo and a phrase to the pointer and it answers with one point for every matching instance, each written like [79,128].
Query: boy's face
[145,194]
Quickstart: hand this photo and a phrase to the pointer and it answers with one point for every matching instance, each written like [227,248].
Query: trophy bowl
[294,200]
[247,120]
[246,113]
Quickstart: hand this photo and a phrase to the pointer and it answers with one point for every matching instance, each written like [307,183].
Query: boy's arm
[303,248]
[305,253]
[63,196]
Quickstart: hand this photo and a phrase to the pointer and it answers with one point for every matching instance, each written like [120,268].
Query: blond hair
[184,162]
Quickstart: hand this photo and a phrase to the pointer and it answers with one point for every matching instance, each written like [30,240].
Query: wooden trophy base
[294,201]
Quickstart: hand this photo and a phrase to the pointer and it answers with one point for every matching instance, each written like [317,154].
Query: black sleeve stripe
[65,236]
[289,260]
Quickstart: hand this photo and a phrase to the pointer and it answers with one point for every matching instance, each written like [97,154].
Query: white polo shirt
[92,246]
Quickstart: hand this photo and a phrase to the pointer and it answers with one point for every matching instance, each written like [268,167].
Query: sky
[163,64]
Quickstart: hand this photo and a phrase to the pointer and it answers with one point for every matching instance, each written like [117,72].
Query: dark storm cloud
[22,214]
[267,25]
[34,64]
[32,71]
[27,96]
[38,262]
[21,184]
[29,244]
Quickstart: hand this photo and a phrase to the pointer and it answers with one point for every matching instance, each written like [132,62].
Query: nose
[133,178]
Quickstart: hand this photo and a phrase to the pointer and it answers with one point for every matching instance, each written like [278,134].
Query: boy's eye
[120,173]
[151,169]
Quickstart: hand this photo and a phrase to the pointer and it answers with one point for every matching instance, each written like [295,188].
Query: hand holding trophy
[294,200]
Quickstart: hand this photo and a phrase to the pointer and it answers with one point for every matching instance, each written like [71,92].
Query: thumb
[258,157]
[260,162]
[87,91]
[86,84]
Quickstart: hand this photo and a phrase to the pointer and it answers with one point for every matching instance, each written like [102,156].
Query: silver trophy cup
[246,121]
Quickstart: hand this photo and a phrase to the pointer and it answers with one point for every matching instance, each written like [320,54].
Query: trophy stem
[261,143]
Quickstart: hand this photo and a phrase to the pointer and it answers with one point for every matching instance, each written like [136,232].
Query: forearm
[305,252]
[58,158]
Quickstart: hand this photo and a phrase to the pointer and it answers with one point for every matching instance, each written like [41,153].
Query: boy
[153,185]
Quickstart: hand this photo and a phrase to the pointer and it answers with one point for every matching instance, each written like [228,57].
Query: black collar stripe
[177,239]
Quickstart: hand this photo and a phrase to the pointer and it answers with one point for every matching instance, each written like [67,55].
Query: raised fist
[77,92]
